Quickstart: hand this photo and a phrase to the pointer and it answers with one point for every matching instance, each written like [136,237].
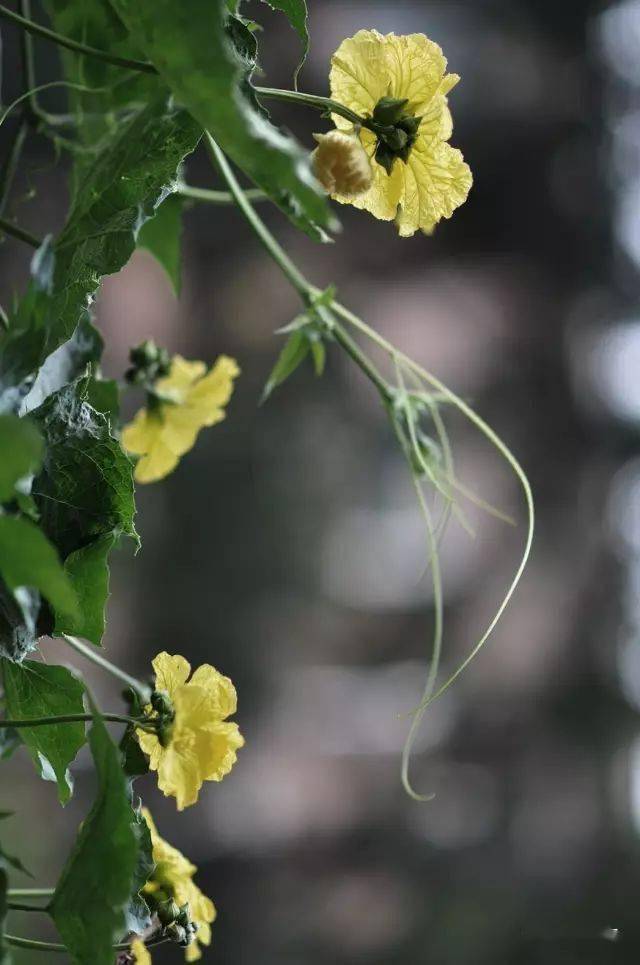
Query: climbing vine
[148,84]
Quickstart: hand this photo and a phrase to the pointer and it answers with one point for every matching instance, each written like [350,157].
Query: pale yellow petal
[359,74]
[181,377]
[139,435]
[192,952]
[436,182]
[179,775]
[219,688]
[171,670]
[212,392]
[140,952]
[158,462]
[217,749]
[180,429]
[415,69]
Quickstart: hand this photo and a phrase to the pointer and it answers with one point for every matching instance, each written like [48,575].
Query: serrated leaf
[66,364]
[296,13]
[35,689]
[295,350]
[85,488]
[88,572]
[190,47]
[27,559]
[20,452]
[161,237]
[104,396]
[121,189]
[89,903]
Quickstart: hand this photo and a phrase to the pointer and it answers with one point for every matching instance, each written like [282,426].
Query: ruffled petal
[179,775]
[139,436]
[415,69]
[436,182]
[359,74]
[171,671]
[208,396]
[181,377]
[219,688]
[216,748]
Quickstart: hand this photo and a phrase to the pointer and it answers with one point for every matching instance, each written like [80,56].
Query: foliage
[146,83]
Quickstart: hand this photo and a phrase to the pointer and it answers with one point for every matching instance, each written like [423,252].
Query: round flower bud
[340,164]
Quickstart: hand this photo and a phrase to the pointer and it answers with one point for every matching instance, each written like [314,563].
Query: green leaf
[161,236]
[89,903]
[96,24]
[295,350]
[89,574]
[121,189]
[138,915]
[35,689]
[104,396]
[85,489]
[66,364]
[20,453]
[27,559]
[296,13]
[189,45]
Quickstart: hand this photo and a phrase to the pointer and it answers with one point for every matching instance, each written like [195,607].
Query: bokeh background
[287,549]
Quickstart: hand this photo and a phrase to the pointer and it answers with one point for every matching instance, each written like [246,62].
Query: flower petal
[181,377]
[171,671]
[217,749]
[436,182]
[218,688]
[211,393]
[156,464]
[141,955]
[139,435]
[359,74]
[415,69]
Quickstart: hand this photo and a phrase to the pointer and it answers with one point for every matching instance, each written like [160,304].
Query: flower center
[396,130]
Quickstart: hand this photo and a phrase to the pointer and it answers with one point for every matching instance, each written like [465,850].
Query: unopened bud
[176,933]
[168,912]
[341,164]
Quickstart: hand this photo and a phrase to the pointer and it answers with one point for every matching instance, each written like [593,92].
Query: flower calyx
[396,130]
[149,362]
[164,715]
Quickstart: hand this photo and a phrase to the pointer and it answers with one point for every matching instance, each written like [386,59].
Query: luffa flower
[184,401]
[199,744]
[400,86]
[140,952]
[172,878]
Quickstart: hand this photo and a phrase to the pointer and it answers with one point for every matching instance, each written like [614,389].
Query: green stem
[21,906]
[39,31]
[91,654]
[39,946]
[305,289]
[325,104]
[11,229]
[30,892]
[219,197]
[70,719]
[10,166]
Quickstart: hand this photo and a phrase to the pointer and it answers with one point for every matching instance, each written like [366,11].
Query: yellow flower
[140,952]
[400,85]
[172,875]
[341,164]
[163,432]
[202,744]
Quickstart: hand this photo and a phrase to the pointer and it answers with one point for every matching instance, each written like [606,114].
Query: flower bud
[341,164]
[168,911]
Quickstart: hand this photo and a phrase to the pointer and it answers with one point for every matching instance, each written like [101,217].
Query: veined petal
[218,687]
[436,182]
[216,749]
[179,775]
[172,671]
[415,68]
[359,74]
[181,377]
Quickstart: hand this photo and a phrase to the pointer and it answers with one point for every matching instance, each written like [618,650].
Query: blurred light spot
[627,219]
[619,34]
[623,510]
[608,362]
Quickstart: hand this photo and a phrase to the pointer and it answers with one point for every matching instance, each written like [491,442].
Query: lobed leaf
[88,572]
[120,190]
[190,46]
[34,689]
[89,903]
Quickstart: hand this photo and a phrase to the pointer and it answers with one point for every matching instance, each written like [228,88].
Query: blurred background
[287,549]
